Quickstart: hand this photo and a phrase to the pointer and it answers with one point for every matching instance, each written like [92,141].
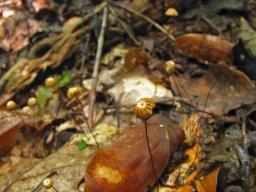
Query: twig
[206,20]
[96,68]
[146,18]
[124,26]
[96,10]
[186,102]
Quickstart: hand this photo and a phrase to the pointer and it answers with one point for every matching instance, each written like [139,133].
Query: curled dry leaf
[111,170]
[10,130]
[227,89]
[205,47]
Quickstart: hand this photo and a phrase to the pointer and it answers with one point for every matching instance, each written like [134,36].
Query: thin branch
[146,18]
[96,68]
[124,26]
[96,10]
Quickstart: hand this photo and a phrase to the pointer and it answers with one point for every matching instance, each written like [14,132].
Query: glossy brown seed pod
[125,165]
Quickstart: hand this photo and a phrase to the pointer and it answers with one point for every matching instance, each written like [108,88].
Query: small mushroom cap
[74,92]
[10,105]
[169,67]
[32,101]
[144,108]
[47,183]
[50,82]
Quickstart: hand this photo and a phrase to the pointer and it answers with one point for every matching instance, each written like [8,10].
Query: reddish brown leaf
[227,89]
[205,47]
[125,165]
[10,130]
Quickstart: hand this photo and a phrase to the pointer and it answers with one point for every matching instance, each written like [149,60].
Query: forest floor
[128,96]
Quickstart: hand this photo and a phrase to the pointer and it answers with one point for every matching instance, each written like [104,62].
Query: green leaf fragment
[82,145]
[64,79]
[43,94]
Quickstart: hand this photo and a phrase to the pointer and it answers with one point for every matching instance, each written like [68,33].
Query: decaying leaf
[111,170]
[66,165]
[10,130]
[245,50]
[135,85]
[134,58]
[59,47]
[185,177]
[248,37]
[102,133]
[205,47]
[208,183]
[227,89]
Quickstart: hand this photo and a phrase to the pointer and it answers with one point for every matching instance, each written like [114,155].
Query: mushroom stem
[150,153]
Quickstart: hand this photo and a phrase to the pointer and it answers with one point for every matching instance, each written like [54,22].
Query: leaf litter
[92,141]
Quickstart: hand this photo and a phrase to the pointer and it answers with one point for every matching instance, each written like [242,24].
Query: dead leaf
[68,164]
[10,131]
[227,89]
[205,47]
[110,170]
[208,183]
[135,57]
[135,85]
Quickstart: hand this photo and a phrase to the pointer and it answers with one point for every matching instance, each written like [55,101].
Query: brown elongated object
[205,47]
[125,165]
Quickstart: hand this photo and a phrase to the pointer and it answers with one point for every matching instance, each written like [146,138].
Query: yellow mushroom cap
[32,101]
[11,105]
[74,92]
[169,67]
[26,109]
[50,82]
[47,183]
[171,12]
[144,108]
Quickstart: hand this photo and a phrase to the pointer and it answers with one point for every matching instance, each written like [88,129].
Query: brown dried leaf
[205,47]
[125,165]
[10,130]
[136,56]
[227,89]
[67,163]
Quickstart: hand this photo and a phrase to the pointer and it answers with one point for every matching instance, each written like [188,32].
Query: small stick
[146,18]
[96,68]
[96,10]
[90,128]
[124,26]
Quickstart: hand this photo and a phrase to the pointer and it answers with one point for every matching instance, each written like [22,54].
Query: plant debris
[124,95]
